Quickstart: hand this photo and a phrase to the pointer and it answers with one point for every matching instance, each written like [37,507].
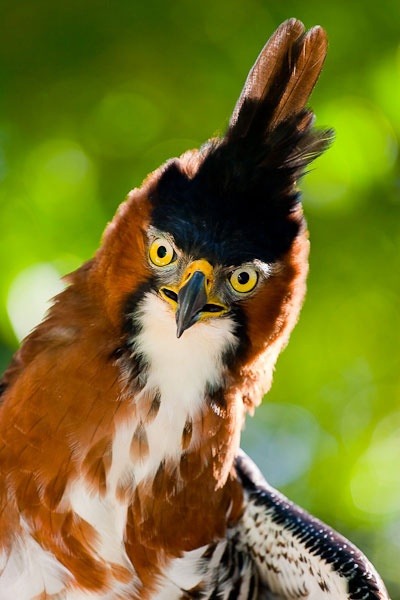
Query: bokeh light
[282,440]
[30,297]
[123,124]
[380,464]
[365,151]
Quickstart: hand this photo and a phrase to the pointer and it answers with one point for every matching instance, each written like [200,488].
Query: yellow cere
[161,252]
[244,279]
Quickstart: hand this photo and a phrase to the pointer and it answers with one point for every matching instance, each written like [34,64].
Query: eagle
[121,474]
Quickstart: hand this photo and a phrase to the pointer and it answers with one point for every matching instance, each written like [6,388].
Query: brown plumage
[118,441]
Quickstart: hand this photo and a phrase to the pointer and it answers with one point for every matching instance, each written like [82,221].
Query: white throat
[180,370]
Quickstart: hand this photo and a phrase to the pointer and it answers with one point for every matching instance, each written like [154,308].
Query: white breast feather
[28,570]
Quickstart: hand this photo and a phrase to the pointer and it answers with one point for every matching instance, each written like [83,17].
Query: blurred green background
[95,94]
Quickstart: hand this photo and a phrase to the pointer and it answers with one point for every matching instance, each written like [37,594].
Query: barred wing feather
[298,556]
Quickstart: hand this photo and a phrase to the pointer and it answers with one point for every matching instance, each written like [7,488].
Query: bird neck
[181,401]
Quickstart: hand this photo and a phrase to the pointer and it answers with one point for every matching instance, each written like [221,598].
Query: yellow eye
[243,279]
[161,252]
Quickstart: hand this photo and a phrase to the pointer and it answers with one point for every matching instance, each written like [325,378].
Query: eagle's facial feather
[195,289]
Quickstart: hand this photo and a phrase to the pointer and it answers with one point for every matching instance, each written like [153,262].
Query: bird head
[191,287]
[218,235]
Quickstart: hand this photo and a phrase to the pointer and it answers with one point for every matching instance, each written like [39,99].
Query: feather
[271,139]
[297,555]
[139,446]
[282,78]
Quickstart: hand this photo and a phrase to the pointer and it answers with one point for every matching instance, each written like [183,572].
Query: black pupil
[161,251]
[243,278]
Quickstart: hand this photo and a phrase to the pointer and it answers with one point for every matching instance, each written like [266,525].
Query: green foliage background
[96,94]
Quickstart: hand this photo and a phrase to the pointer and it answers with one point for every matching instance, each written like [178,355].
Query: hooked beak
[192,299]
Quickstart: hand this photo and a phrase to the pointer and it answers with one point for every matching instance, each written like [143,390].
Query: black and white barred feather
[277,551]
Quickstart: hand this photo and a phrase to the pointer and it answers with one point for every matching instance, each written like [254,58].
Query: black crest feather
[271,129]
[245,187]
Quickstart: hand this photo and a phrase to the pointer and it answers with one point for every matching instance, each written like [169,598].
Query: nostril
[212,308]
[170,294]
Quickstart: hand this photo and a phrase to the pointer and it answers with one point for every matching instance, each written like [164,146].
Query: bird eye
[161,252]
[244,279]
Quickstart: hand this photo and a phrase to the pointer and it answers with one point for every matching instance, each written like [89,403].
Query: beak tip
[180,327]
